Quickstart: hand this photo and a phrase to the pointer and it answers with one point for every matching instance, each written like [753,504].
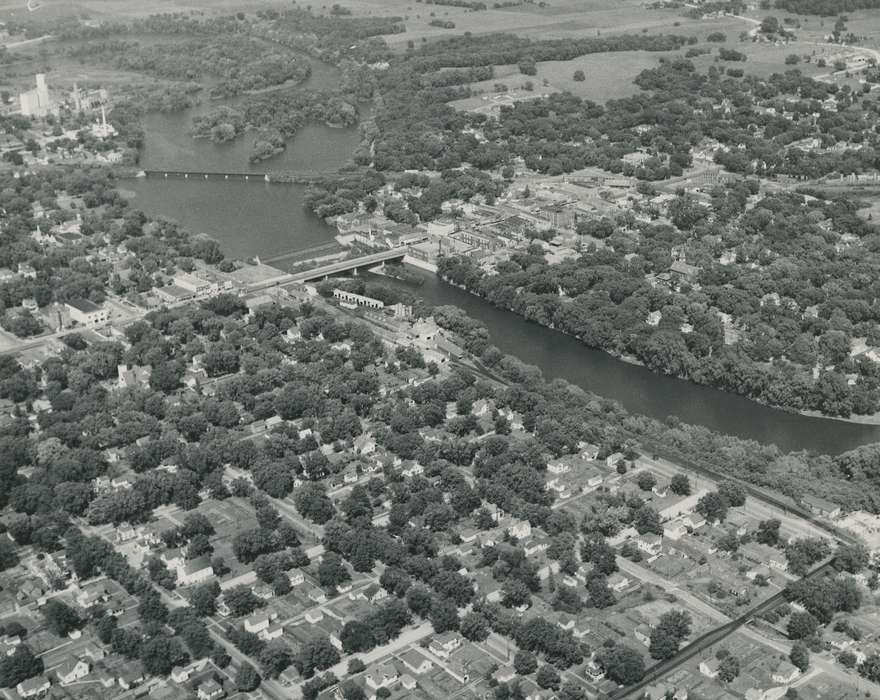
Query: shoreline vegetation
[873,419]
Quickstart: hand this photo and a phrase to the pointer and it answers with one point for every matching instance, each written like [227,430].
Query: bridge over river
[335,268]
[300,177]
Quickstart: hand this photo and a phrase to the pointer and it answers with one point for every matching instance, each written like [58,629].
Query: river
[257,218]
[246,218]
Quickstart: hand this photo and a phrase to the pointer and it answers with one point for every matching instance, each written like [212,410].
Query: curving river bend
[256,218]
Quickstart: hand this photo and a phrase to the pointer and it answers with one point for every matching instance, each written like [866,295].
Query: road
[728,626]
[689,598]
[754,507]
[409,636]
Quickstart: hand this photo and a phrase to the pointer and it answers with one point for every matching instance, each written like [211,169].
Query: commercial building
[87,313]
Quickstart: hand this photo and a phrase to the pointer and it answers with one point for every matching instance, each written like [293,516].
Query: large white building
[87,313]
[37,102]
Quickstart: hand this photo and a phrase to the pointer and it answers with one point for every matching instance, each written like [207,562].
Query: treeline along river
[255,218]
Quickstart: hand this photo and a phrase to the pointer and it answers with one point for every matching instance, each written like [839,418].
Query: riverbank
[872,420]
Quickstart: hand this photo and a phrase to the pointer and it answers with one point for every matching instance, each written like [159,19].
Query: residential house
[710,667]
[210,690]
[618,582]
[72,670]
[416,662]
[259,621]
[32,687]
[520,529]
[651,544]
[195,571]
[364,444]
[382,676]
[505,674]
[785,673]
[444,644]
[296,577]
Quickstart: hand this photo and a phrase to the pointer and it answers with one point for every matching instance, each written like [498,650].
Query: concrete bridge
[276,177]
[335,268]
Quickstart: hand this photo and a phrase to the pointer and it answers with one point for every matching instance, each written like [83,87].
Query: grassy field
[609,76]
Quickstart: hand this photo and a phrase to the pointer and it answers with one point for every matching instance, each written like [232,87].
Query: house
[412,469]
[314,616]
[195,571]
[505,674]
[558,466]
[618,582]
[674,530]
[87,313]
[444,644]
[272,632]
[72,670]
[785,673]
[416,662]
[258,622]
[709,667]
[132,376]
[263,591]
[296,577]
[374,593]
[130,677]
[650,543]
[382,676]
[683,271]
[316,595]
[822,507]
[209,690]
[364,444]
[407,682]
[536,545]
[520,529]
[32,687]
[612,460]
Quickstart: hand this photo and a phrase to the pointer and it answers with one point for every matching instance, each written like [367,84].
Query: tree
[332,571]
[316,654]
[728,669]
[548,677]
[600,594]
[19,666]
[666,637]
[474,627]
[800,656]
[356,636]
[768,532]
[802,625]
[274,658]
[646,480]
[680,485]
[443,615]
[579,76]
[203,598]
[851,558]
[61,618]
[647,520]
[713,506]
[524,662]
[733,493]
[247,678]
[622,664]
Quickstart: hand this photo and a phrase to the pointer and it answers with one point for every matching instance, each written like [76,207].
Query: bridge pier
[186,176]
[247,177]
[206,176]
[166,176]
[266,177]
[226,177]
